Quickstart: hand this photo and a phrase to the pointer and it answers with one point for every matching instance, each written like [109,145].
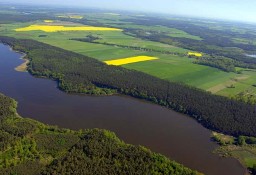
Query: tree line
[222,63]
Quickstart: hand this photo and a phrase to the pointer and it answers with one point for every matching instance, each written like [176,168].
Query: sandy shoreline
[23,67]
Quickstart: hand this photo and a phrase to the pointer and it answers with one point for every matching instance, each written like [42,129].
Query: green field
[170,67]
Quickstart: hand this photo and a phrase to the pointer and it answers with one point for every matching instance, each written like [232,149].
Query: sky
[238,10]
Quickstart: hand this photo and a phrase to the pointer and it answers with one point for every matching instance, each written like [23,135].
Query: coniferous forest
[76,73]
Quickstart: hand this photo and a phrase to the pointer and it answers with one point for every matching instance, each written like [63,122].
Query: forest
[10,18]
[222,63]
[76,73]
[28,147]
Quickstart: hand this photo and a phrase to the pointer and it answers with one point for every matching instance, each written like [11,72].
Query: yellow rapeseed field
[47,28]
[195,54]
[48,21]
[129,60]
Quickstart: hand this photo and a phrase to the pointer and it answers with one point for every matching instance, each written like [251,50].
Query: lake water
[136,122]
[253,56]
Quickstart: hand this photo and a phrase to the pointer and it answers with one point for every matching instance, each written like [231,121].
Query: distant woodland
[216,43]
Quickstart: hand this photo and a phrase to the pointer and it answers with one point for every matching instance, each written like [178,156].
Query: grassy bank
[242,148]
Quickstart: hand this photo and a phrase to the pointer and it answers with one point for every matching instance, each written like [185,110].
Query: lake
[174,135]
[253,56]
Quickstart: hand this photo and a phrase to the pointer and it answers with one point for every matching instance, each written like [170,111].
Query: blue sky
[241,10]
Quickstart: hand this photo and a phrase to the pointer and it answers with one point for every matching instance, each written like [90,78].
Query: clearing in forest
[47,28]
[129,60]
[228,84]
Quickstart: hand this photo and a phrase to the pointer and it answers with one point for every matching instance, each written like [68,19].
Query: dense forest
[28,147]
[222,63]
[80,74]
[10,18]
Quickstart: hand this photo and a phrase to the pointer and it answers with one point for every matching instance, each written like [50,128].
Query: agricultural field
[182,69]
[112,41]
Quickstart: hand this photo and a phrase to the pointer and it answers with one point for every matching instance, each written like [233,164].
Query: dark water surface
[136,122]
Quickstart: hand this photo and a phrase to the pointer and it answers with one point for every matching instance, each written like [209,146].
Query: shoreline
[24,66]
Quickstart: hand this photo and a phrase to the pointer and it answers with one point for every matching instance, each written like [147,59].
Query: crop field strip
[47,28]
